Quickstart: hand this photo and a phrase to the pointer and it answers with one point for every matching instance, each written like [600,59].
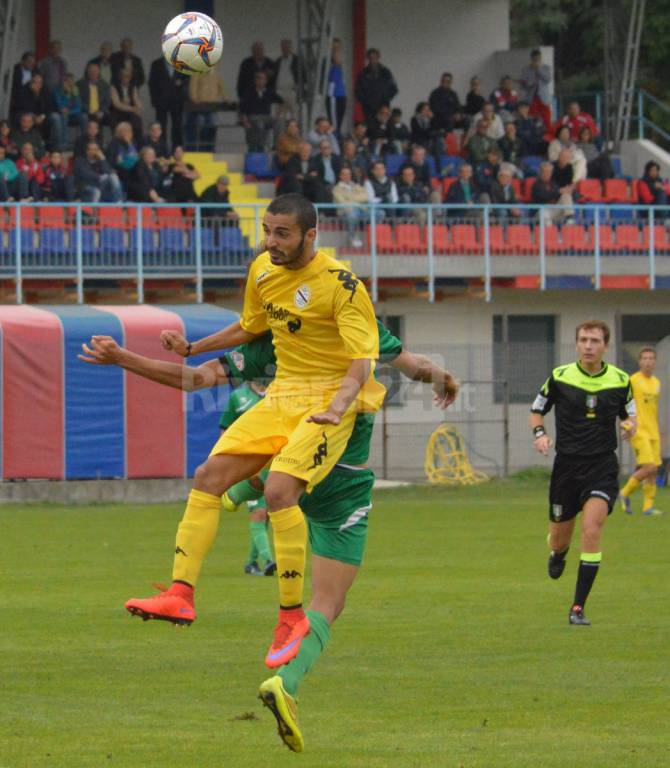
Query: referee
[588,396]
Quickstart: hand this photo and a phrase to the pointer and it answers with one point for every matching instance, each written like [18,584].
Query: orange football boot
[292,626]
[174,604]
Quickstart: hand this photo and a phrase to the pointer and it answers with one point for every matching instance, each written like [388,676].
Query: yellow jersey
[646,390]
[321,319]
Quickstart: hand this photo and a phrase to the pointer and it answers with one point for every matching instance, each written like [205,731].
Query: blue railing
[429,243]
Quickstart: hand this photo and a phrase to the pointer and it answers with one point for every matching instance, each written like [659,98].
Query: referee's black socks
[588,569]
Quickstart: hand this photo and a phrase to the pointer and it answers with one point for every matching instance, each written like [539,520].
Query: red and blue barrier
[64,419]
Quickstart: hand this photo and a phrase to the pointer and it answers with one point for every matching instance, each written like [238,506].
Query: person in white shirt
[323,130]
[286,79]
[346,191]
[495,130]
[381,190]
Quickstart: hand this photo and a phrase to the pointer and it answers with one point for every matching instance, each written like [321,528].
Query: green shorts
[337,514]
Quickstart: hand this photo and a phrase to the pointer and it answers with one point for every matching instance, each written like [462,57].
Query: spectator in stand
[53,67]
[530,130]
[502,193]
[323,130]
[446,106]
[464,192]
[32,169]
[422,130]
[104,62]
[353,195]
[375,85]
[361,139]
[650,188]
[505,99]
[95,95]
[336,97]
[545,191]
[218,194]
[495,129]
[168,89]
[28,133]
[156,140]
[286,79]
[126,104]
[122,152]
[327,167]
[22,74]
[146,181]
[575,119]
[381,190]
[399,135]
[563,176]
[598,164]
[511,145]
[418,163]
[486,173]
[298,175]
[206,95]
[92,133]
[379,131]
[13,185]
[178,182]
[7,142]
[474,101]
[478,145]
[256,114]
[58,183]
[411,192]
[356,162]
[125,59]
[69,112]
[288,143]
[34,99]
[562,143]
[95,181]
[536,80]
[250,67]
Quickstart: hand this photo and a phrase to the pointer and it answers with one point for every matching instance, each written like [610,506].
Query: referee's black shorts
[575,479]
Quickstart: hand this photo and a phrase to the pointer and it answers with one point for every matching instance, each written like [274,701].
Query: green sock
[259,536]
[310,650]
[253,549]
[243,491]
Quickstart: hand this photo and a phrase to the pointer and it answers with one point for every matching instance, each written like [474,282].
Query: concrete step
[234,160]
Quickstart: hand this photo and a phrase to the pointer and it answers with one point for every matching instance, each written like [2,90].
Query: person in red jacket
[575,119]
[32,169]
[650,187]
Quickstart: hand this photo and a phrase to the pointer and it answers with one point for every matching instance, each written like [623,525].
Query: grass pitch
[454,650]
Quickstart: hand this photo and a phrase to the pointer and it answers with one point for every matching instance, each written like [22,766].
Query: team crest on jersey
[591,402]
[238,359]
[557,511]
[302,296]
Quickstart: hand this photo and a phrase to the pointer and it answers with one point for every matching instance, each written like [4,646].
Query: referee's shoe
[577,616]
[556,564]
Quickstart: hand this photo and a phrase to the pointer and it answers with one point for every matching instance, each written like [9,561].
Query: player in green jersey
[241,399]
[336,510]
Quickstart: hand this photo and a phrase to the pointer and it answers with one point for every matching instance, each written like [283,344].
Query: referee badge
[302,296]
[591,402]
[557,511]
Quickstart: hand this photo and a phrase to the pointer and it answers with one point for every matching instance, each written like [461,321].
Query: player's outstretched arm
[103,350]
[421,368]
[231,336]
[357,374]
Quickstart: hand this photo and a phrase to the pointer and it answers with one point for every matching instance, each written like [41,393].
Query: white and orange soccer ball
[192,43]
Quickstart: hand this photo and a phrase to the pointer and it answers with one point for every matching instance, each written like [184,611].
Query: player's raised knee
[282,491]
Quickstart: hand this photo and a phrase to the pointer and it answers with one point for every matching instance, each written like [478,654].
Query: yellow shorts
[647,450]
[278,426]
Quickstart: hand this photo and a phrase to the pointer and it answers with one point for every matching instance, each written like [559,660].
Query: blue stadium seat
[231,241]
[113,241]
[450,165]
[171,240]
[393,164]
[27,245]
[258,164]
[531,165]
[52,242]
[207,241]
[89,242]
[149,246]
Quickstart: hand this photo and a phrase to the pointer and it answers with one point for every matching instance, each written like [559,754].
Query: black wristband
[188,349]
[539,431]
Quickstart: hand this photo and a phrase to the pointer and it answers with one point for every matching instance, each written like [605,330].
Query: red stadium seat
[148,218]
[628,238]
[590,191]
[518,189]
[409,238]
[617,191]
[497,240]
[661,240]
[528,189]
[385,241]
[112,217]
[575,238]
[28,215]
[607,242]
[520,239]
[552,240]
[441,242]
[446,184]
[452,144]
[464,239]
[51,217]
[170,217]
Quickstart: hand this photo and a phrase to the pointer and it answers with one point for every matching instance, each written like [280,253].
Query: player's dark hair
[594,324]
[646,349]
[296,205]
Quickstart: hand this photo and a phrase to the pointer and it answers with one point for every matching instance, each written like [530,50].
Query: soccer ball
[192,43]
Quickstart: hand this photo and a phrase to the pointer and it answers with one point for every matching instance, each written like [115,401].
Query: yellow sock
[195,535]
[648,495]
[290,540]
[630,486]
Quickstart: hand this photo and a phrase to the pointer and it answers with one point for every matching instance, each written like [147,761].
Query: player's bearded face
[284,240]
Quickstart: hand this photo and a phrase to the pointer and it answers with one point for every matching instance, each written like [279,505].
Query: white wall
[420,41]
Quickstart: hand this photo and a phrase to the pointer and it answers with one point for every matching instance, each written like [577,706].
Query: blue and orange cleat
[292,627]
[174,604]
[652,511]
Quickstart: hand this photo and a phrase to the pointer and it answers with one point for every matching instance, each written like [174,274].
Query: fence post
[505,391]
[19,271]
[652,251]
[640,114]
[140,255]
[487,255]
[373,253]
[198,254]
[543,254]
[80,256]
[596,246]
[431,257]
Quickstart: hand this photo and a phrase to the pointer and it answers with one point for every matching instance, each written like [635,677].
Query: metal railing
[431,244]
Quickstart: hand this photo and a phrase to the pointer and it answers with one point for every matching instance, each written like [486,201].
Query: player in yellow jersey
[326,341]
[647,442]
